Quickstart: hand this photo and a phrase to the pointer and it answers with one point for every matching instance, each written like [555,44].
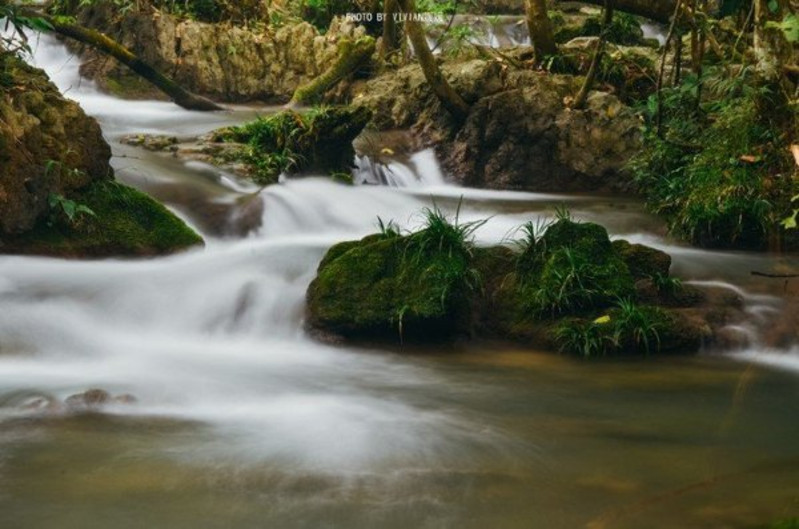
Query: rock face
[57,194]
[47,146]
[519,134]
[568,288]
[220,61]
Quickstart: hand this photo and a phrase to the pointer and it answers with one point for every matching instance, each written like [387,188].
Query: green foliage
[123,221]
[388,230]
[16,24]
[289,141]
[789,222]
[666,284]
[730,187]
[72,210]
[789,26]
[321,12]
[626,328]
[457,40]
[413,284]
[570,268]
[437,7]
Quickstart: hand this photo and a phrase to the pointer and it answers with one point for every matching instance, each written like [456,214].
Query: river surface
[242,421]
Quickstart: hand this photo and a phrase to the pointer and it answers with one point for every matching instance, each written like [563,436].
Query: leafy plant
[388,230]
[637,324]
[733,186]
[627,327]
[583,338]
[71,209]
[789,222]
[667,284]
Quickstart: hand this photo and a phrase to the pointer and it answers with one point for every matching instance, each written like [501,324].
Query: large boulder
[392,287]
[518,134]
[47,146]
[57,194]
[567,289]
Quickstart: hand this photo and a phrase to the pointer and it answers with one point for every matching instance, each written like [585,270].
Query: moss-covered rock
[391,286]
[296,142]
[47,145]
[567,289]
[643,261]
[110,220]
[631,329]
[573,267]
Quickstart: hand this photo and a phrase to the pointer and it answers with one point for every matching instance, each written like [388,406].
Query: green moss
[409,286]
[126,222]
[291,142]
[628,329]
[572,268]
[643,261]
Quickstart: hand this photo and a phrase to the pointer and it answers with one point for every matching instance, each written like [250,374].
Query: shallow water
[243,421]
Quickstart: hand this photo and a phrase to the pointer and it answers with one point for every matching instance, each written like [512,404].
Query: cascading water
[242,420]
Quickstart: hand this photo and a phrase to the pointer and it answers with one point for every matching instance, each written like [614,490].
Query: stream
[241,420]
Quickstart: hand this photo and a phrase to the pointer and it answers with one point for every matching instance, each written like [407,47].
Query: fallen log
[351,55]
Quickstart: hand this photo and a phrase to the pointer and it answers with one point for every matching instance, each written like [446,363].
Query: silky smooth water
[244,421]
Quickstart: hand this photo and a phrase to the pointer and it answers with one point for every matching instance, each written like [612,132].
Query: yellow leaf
[602,319]
[386,150]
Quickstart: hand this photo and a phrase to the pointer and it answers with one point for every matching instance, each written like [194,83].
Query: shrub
[732,187]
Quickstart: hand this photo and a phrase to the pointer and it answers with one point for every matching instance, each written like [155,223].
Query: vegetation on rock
[293,142]
[109,219]
[566,287]
[415,285]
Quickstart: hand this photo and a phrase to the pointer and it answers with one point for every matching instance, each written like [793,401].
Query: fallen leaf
[386,150]
[749,158]
[795,151]
[602,319]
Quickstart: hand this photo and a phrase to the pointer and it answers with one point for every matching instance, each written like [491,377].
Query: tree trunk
[596,61]
[767,42]
[351,55]
[105,44]
[390,42]
[540,28]
[448,97]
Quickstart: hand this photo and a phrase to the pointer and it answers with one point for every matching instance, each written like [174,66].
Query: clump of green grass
[666,284]
[626,328]
[570,267]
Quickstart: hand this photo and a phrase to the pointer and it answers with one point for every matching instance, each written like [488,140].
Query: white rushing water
[216,335]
